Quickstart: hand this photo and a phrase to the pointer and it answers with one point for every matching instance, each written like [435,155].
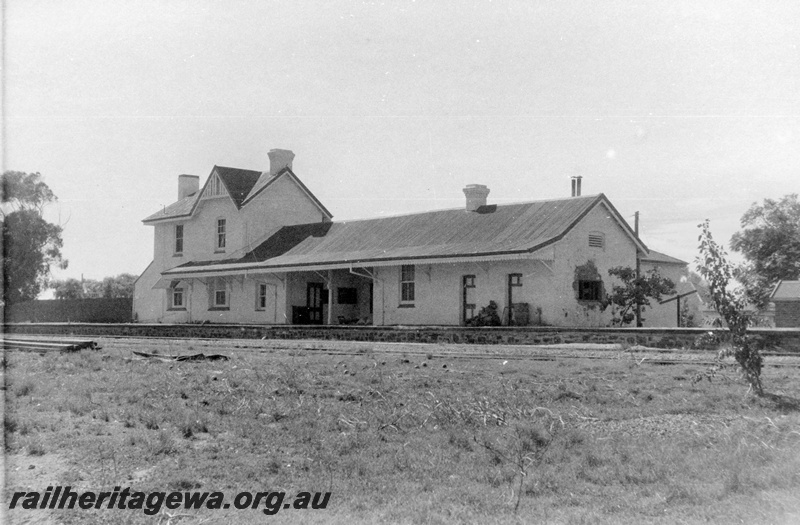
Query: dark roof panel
[238,182]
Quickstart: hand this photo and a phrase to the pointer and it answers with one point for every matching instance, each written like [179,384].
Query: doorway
[514,285]
[467,298]
[314,301]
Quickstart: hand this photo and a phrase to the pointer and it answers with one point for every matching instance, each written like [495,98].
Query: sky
[680,110]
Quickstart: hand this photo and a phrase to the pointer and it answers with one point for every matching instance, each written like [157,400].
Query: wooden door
[514,282]
[314,301]
[467,298]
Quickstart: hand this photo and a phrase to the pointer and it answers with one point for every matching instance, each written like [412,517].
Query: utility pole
[638,271]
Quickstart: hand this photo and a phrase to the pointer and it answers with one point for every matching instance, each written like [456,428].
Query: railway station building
[258,247]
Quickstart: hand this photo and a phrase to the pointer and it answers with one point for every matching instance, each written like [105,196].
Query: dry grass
[413,439]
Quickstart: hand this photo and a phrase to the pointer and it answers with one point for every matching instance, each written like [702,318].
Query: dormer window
[220,243]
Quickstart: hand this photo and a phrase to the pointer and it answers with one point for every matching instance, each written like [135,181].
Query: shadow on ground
[784,404]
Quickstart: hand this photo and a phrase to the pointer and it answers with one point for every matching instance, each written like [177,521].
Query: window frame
[407,286]
[177,291]
[221,234]
[348,293]
[218,286]
[261,298]
[595,287]
[178,245]
[515,279]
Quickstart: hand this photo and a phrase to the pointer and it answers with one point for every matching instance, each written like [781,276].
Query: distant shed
[786,297]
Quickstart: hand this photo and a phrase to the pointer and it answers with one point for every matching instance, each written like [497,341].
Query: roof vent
[576,186]
[476,196]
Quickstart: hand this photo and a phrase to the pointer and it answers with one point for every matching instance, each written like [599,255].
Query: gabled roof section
[658,257]
[267,180]
[786,291]
[238,182]
[491,230]
[242,185]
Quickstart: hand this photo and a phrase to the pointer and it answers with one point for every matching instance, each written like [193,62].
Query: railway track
[641,355]
[423,351]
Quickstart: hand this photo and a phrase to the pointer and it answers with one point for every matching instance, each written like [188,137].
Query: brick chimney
[576,185]
[476,196]
[279,159]
[187,185]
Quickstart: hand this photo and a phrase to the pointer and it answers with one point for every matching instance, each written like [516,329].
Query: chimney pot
[576,185]
[476,196]
[188,185]
[279,159]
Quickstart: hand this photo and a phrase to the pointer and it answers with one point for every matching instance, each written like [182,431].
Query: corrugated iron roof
[658,257]
[491,230]
[786,290]
[176,209]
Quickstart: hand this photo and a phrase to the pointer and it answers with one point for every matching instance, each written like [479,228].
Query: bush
[487,316]
[731,305]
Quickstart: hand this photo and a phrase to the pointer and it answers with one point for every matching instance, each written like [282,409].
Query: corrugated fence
[71,311]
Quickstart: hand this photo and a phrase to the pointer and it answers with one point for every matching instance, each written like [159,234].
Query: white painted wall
[548,288]
[552,289]
[283,203]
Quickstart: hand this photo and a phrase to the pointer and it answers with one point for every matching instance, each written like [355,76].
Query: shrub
[487,316]
[731,305]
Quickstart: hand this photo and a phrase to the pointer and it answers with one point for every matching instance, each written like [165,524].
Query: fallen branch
[192,357]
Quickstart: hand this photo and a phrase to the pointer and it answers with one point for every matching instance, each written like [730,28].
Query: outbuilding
[786,297]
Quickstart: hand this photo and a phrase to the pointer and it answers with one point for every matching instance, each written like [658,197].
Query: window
[179,239]
[261,296]
[220,247]
[176,299]
[590,290]
[407,283]
[515,279]
[597,240]
[347,296]
[218,294]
